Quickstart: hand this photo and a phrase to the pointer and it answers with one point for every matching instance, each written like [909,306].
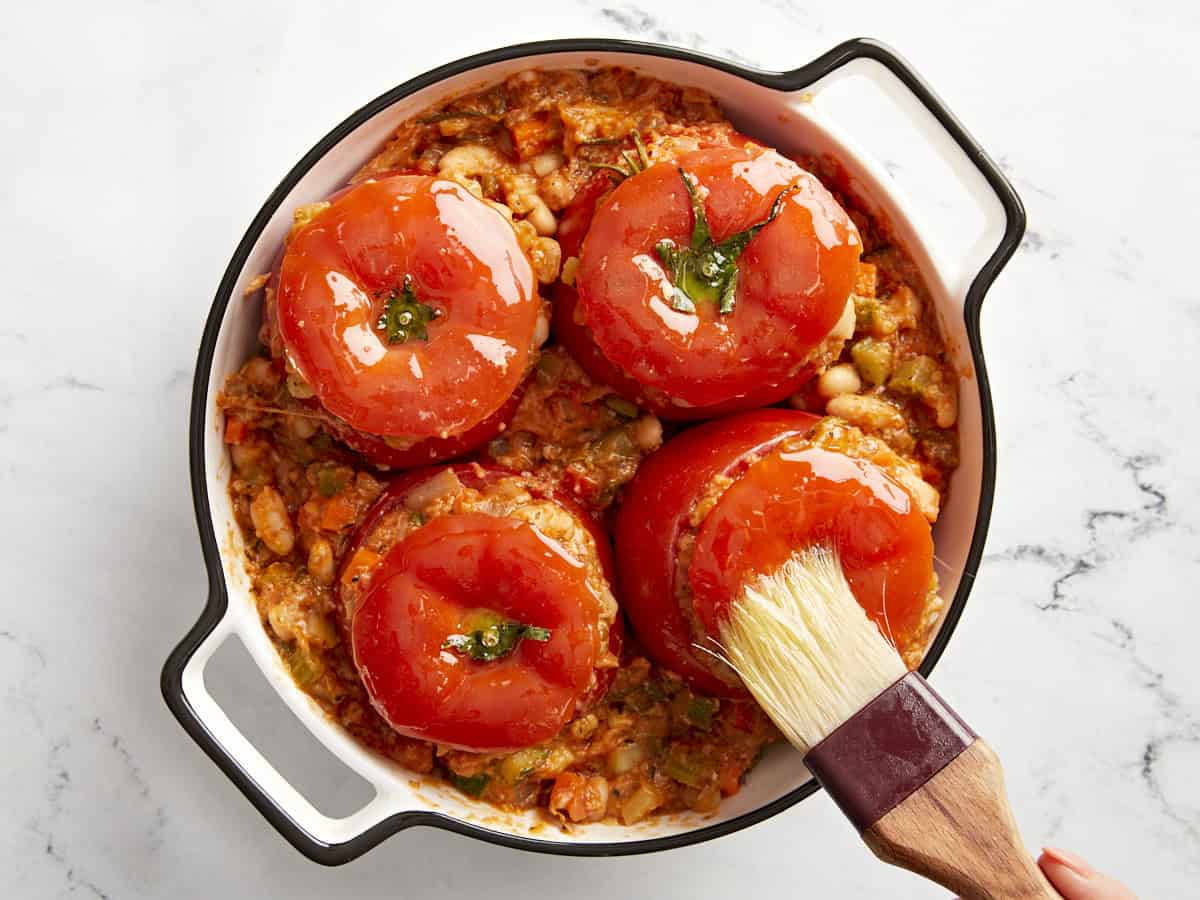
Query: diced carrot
[361,562]
[535,135]
[729,777]
[743,716]
[339,512]
[235,430]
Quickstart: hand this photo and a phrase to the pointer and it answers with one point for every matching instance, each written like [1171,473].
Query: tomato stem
[707,270]
[495,640]
[404,317]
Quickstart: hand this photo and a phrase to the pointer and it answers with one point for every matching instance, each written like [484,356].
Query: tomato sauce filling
[336,519]
[409,308]
[795,498]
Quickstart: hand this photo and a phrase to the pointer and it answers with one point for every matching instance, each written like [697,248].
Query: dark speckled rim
[214,610]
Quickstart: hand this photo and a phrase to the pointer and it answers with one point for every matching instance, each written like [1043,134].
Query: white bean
[647,433]
[542,219]
[838,380]
[271,521]
[541,329]
[545,163]
[844,329]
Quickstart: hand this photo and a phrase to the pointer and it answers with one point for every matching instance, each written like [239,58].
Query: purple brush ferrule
[888,749]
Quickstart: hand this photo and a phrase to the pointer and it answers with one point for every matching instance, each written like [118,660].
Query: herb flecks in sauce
[404,318]
[634,162]
[451,115]
[707,270]
[489,637]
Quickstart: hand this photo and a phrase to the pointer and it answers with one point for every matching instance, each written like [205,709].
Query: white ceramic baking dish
[782,109]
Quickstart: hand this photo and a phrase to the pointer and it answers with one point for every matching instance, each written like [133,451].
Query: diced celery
[549,369]
[915,377]
[700,711]
[331,480]
[518,765]
[306,667]
[621,406]
[686,767]
[873,359]
[625,757]
[472,785]
[870,317]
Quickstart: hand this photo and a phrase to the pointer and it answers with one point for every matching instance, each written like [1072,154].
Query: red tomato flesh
[577,339]
[426,589]
[794,499]
[794,276]
[430,450]
[654,513]
[464,263]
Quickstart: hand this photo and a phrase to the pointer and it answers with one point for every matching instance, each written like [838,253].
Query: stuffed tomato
[407,315]
[731,500]
[713,281]
[477,609]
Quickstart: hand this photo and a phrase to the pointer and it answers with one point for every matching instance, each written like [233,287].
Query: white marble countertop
[137,144]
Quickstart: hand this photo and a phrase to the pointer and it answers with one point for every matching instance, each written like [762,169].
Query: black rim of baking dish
[794,80]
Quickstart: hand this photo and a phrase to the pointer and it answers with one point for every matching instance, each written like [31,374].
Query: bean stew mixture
[519,383]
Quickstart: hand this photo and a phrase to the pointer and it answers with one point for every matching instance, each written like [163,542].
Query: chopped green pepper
[687,767]
[550,367]
[873,359]
[615,442]
[644,696]
[521,764]
[691,709]
[621,406]
[331,480]
[870,317]
[471,785]
[915,377]
[305,666]
[700,711]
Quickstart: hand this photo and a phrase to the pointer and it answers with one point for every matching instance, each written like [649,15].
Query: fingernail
[1075,863]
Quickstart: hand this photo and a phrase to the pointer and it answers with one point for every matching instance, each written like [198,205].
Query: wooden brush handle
[957,829]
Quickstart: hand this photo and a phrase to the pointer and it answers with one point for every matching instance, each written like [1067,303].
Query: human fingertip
[1072,861]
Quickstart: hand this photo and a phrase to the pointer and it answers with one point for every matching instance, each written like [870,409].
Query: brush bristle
[805,649]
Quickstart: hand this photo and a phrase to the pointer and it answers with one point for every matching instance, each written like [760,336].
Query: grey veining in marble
[138,141]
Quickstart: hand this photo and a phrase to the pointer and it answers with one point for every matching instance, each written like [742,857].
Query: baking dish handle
[984,181]
[321,838]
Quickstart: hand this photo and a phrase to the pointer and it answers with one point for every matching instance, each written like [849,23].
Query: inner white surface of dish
[792,123]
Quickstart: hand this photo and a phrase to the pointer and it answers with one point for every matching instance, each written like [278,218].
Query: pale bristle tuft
[805,649]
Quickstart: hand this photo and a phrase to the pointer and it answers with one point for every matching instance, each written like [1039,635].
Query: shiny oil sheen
[464,262]
[794,277]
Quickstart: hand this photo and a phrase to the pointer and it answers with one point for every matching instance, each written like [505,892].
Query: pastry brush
[923,790]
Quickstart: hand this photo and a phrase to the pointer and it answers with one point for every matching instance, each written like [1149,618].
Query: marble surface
[139,140]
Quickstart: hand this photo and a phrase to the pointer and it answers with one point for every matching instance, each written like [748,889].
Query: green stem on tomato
[707,270]
[634,162]
[493,638]
[405,318]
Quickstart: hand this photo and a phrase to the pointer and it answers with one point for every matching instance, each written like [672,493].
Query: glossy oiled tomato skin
[425,590]
[577,339]
[795,499]
[794,277]
[463,261]
[654,512]
[476,477]
[432,450]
